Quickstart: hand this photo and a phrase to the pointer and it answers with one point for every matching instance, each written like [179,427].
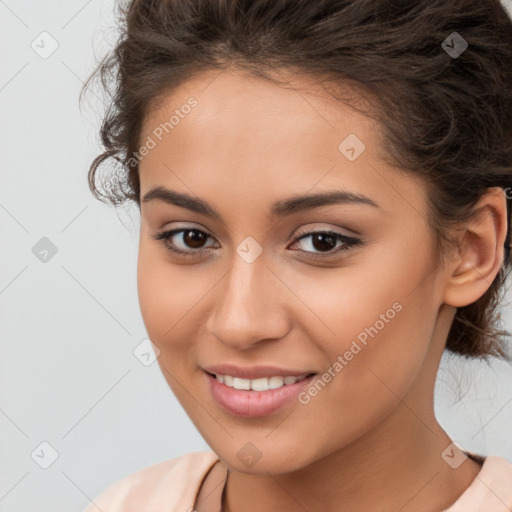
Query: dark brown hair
[446,117]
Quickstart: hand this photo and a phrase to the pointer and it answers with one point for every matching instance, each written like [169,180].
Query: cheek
[171,300]
[376,326]
[152,292]
[373,362]
[163,295]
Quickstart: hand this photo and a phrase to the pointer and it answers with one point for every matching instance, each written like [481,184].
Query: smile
[237,397]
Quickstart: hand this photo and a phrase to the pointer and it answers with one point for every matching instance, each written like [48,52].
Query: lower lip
[253,404]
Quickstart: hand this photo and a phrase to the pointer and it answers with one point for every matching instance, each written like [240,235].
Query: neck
[397,465]
[378,473]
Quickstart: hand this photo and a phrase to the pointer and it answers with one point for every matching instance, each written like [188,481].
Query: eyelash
[350,243]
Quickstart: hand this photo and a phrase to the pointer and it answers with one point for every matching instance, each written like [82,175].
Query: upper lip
[253,372]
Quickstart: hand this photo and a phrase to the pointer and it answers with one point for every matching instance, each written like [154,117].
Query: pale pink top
[186,484]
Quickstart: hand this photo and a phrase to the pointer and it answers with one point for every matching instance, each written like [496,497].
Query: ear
[482,250]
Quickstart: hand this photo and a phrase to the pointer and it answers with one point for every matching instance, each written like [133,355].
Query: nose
[249,306]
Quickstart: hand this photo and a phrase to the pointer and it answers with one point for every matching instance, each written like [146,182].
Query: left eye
[194,239]
[325,241]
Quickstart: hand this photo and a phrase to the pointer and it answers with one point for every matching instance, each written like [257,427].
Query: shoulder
[172,483]
[491,489]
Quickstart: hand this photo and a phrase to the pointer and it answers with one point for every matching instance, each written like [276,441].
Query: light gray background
[68,375]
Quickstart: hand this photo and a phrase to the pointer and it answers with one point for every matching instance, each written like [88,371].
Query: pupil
[323,238]
[194,241]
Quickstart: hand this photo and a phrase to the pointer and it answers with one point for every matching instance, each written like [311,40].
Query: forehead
[292,114]
[255,137]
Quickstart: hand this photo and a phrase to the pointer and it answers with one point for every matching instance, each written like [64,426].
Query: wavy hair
[445,117]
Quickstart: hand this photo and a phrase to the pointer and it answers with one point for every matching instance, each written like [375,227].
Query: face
[345,289]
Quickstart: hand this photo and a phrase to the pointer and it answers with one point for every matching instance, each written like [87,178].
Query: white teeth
[239,383]
[262,384]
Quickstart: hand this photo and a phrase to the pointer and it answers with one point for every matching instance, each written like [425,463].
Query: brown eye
[194,238]
[325,241]
[179,241]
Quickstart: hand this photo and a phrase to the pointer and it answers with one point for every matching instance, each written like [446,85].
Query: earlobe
[482,250]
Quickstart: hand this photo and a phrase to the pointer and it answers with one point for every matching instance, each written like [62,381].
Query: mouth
[251,398]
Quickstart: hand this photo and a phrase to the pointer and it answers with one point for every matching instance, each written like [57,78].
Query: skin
[369,440]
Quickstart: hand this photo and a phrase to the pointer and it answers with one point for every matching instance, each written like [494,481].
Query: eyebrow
[279,209]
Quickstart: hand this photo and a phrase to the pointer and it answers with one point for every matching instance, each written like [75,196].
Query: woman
[325,190]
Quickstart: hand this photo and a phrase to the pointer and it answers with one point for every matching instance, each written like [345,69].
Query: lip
[254,372]
[254,404]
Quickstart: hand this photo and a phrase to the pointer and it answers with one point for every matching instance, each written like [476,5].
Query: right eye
[190,237]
